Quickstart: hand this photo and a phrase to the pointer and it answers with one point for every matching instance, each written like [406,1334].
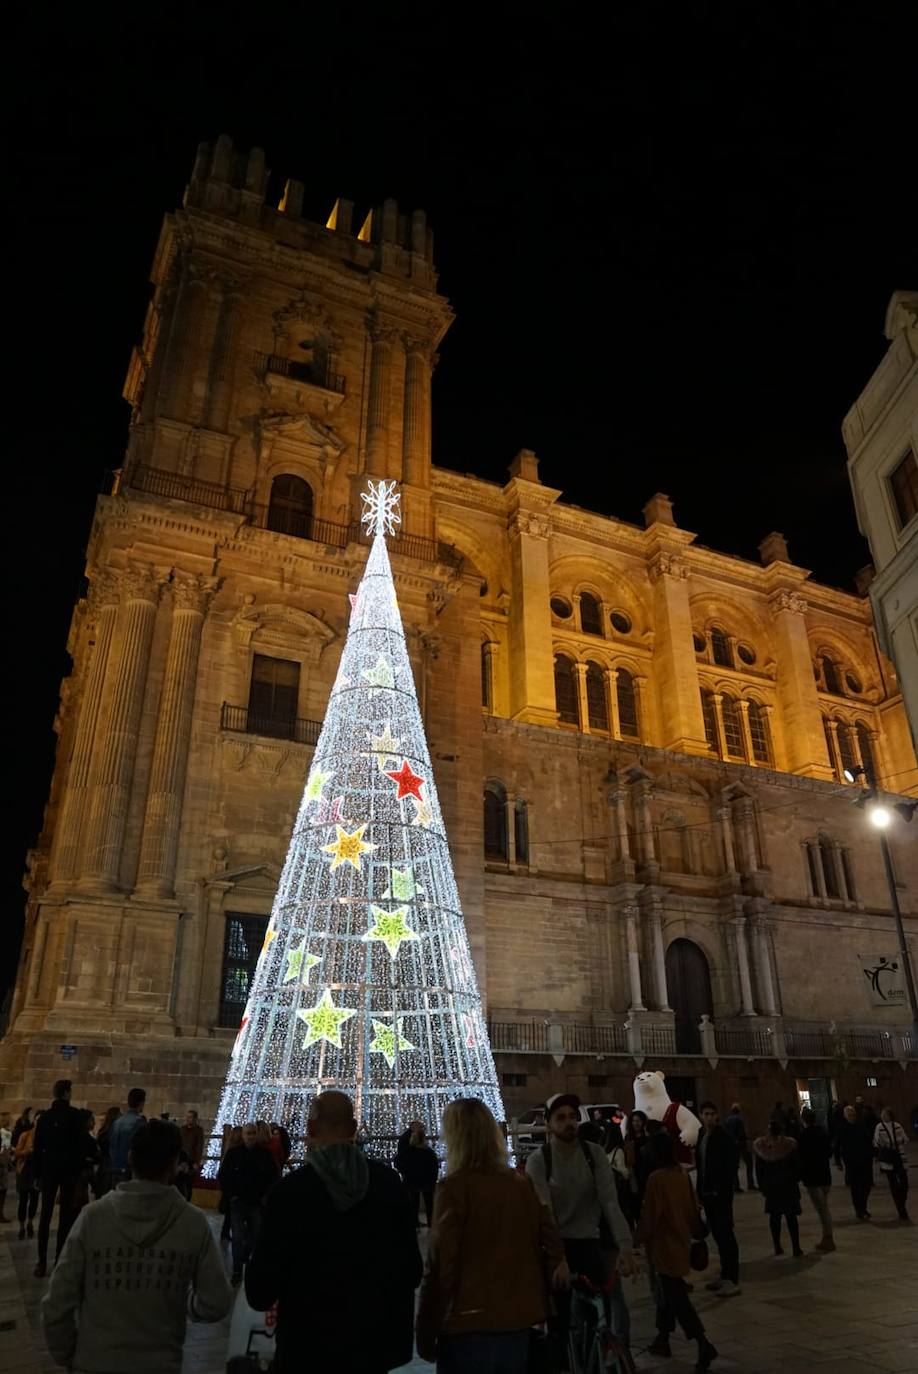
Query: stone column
[717,700]
[742,962]
[675,669]
[416,416]
[815,853]
[185,346]
[743,705]
[640,689]
[159,846]
[377,464]
[224,354]
[644,821]
[634,958]
[580,672]
[510,811]
[725,814]
[621,823]
[840,870]
[659,958]
[835,758]
[746,829]
[763,959]
[798,699]
[611,677]
[64,855]
[529,655]
[113,761]
[489,651]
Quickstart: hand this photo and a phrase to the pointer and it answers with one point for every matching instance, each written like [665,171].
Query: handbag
[698,1255]
[887,1155]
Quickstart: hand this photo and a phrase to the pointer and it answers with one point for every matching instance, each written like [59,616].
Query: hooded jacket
[118,1296]
[338,1252]
[777,1169]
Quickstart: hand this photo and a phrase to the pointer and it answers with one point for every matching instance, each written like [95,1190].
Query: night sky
[669,236]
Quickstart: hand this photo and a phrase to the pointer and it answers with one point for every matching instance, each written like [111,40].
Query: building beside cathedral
[640,744]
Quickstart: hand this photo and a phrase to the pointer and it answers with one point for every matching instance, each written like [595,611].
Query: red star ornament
[409,784]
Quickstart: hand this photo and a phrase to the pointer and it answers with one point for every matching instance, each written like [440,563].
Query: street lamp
[881,816]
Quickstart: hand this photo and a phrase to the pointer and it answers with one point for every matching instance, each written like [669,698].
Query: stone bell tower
[282,361]
[274,344]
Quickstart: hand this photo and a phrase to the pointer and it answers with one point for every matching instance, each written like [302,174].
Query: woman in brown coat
[669,1222]
[491,1244]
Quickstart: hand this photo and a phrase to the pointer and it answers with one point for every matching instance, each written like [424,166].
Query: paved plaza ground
[854,1310]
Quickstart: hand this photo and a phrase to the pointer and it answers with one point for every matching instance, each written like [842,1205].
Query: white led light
[365,981]
[880,816]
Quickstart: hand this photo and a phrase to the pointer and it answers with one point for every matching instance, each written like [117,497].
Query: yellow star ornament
[324,1021]
[348,847]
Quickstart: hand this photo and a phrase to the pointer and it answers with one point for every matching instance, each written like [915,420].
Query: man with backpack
[573,1178]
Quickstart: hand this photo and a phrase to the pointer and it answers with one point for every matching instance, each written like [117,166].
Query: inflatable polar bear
[651,1098]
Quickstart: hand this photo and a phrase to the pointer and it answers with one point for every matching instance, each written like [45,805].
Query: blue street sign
[68,1051]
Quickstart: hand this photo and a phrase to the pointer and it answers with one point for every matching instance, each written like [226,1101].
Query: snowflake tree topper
[381,508]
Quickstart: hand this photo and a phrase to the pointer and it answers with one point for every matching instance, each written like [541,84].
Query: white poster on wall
[885,979]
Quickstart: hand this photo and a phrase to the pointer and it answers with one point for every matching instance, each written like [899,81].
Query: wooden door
[688,986]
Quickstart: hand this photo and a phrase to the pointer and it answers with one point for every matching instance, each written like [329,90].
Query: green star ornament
[324,1020]
[402,887]
[381,676]
[317,780]
[299,962]
[387,1039]
[391,929]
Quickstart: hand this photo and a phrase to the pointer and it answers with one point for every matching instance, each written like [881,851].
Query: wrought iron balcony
[313,373]
[297,525]
[241,720]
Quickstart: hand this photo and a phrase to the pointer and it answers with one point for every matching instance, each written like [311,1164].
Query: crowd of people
[334,1245]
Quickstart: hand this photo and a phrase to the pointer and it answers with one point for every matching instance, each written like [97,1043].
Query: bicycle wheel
[584,1353]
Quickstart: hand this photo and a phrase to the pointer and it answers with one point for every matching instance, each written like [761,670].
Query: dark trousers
[675,1305]
[28,1205]
[744,1156]
[793,1230]
[719,1212]
[860,1181]
[51,1186]
[416,1194]
[484,1352]
[898,1187]
[246,1223]
[185,1184]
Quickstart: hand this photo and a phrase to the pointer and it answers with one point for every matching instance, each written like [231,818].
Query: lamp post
[881,816]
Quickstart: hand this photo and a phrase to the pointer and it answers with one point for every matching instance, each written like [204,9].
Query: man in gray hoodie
[134,1264]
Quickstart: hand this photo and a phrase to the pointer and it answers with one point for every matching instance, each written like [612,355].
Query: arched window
[733,727]
[758,729]
[710,719]
[590,614]
[626,691]
[495,821]
[290,506]
[866,747]
[829,868]
[830,676]
[566,699]
[487,689]
[521,831]
[846,748]
[597,709]
[720,647]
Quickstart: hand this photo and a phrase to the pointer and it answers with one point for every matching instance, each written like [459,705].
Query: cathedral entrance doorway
[688,986]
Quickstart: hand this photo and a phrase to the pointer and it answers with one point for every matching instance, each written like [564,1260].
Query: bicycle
[593,1347]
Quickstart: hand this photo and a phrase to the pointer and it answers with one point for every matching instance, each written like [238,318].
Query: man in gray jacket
[134,1264]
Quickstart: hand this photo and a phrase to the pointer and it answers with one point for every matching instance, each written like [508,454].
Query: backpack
[606,1238]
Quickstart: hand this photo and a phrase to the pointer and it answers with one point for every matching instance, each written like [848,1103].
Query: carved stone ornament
[529,522]
[307,311]
[140,583]
[667,565]
[381,333]
[788,601]
[192,593]
[413,344]
[103,589]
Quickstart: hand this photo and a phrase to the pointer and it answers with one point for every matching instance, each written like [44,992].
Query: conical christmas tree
[365,982]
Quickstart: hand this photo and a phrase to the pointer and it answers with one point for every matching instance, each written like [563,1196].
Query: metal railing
[282,519]
[868,1044]
[658,1039]
[581,1039]
[751,1043]
[315,374]
[808,1043]
[526,1037]
[242,720]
